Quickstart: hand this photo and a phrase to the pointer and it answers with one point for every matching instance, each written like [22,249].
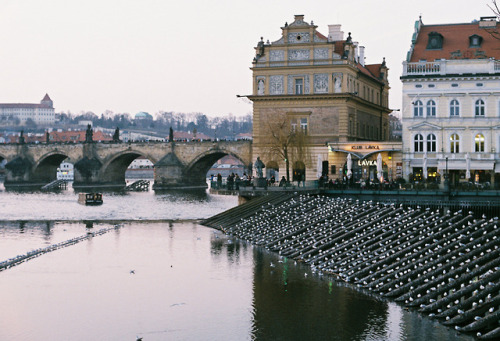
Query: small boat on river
[90,199]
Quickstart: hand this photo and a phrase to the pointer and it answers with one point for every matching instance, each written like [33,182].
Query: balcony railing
[454,66]
[425,68]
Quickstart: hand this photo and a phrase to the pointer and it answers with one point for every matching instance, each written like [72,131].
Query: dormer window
[435,41]
[475,40]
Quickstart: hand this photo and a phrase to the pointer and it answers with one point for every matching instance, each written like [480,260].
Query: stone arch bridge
[176,164]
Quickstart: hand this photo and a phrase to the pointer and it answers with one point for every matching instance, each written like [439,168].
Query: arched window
[431,143]
[479,107]
[419,143]
[479,143]
[418,108]
[454,108]
[431,108]
[454,143]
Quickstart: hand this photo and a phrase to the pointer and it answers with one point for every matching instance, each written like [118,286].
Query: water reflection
[187,195]
[189,282]
[292,304]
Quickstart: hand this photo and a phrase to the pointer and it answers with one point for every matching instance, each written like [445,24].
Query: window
[431,108]
[431,143]
[479,142]
[479,107]
[419,143]
[454,108]
[435,41]
[418,109]
[303,125]
[299,86]
[298,122]
[475,41]
[454,143]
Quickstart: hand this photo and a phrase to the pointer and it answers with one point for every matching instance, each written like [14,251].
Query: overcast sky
[183,56]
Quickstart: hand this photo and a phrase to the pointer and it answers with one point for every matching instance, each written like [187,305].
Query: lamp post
[446,181]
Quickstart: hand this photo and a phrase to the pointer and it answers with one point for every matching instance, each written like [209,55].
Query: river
[156,273]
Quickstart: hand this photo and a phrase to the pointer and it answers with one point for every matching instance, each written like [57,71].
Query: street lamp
[446,181]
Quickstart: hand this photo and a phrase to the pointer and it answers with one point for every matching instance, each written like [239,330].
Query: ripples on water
[189,282]
[129,205]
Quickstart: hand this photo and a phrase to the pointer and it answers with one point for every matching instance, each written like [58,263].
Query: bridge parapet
[177,165]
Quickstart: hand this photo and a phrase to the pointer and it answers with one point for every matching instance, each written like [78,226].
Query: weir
[445,264]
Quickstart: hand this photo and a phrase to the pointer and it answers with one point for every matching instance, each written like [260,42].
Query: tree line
[224,127]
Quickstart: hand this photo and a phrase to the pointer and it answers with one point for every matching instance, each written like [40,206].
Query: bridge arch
[3,161]
[113,170]
[196,171]
[45,170]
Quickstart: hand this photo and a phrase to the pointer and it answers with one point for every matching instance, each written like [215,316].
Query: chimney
[356,51]
[299,17]
[334,33]
[488,22]
[362,55]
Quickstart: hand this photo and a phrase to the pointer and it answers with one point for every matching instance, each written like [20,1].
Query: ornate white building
[42,113]
[451,103]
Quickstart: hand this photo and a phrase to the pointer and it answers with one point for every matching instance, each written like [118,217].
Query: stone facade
[320,86]
[451,104]
[177,165]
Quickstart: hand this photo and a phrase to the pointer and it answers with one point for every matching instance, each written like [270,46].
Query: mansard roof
[455,42]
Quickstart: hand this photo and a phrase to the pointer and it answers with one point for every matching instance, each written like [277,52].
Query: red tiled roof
[28,105]
[77,136]
[374,69]
[339,47]
[22,105]
[321,36]
[455,39]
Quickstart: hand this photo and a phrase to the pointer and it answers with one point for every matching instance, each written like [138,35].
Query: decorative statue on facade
[89,134]
[260,87]
[258,167]
[337,82]
[116,135]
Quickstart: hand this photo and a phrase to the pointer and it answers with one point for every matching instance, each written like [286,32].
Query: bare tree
[495,33]
[282,141]
[494,8]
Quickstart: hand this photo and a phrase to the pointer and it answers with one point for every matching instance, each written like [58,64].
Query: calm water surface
[188,282]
